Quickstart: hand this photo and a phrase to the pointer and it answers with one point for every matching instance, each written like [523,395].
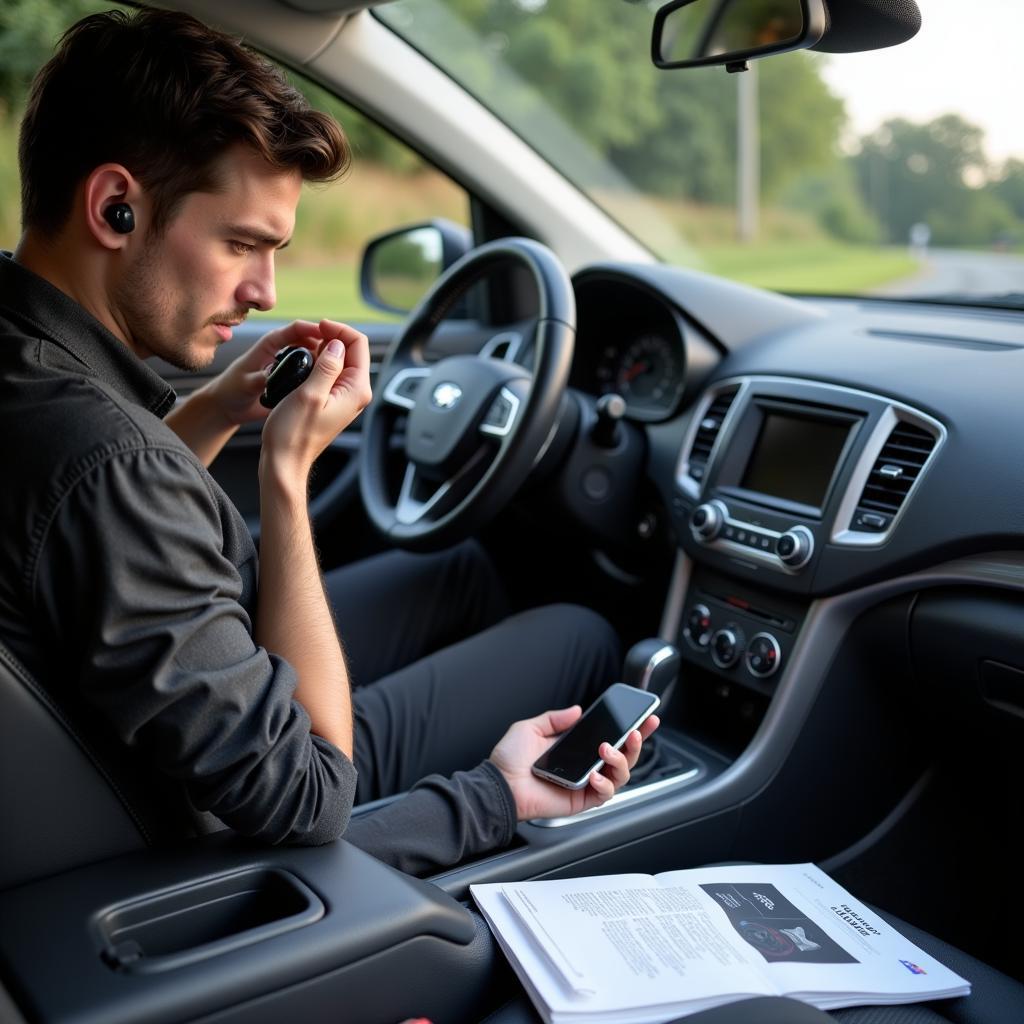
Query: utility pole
[748,155]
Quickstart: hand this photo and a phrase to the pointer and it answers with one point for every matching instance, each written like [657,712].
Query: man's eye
[242,248]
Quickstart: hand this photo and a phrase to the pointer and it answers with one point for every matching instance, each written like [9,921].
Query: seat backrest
[59,807]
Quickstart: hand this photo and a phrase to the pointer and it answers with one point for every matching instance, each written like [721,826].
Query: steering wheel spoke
[421,500]
[403,387]
[501,417]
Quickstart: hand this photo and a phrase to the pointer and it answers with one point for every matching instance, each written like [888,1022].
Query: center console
[777,482]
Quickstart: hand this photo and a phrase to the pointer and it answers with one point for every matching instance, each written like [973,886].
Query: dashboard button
[727,646]
[706,520]
[698,626]
[795,547]
[763,655]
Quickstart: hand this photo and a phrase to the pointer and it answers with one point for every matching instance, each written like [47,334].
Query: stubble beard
[149,315]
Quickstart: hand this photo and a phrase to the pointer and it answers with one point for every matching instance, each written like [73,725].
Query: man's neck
[48,259]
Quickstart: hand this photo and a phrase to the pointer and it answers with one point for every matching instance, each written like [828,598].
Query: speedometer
[648,374]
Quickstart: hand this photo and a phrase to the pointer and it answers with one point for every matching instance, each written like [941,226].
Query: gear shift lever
[653,665]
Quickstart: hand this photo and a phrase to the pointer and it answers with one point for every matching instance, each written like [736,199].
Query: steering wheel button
[499,412]
[597,484]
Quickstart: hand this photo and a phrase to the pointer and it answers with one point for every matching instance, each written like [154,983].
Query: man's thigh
[446,712]
[397,607]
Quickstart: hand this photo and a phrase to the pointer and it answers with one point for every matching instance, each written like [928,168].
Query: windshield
[896,172]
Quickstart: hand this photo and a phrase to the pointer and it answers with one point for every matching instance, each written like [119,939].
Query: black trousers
[440,670]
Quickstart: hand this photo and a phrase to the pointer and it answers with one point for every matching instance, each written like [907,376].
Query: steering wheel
[474,425]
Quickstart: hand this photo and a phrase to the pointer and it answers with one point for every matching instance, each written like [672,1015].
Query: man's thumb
[332,359]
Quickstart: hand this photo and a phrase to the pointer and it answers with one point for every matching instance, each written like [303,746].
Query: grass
[317,292]
[820,266]
[797,266]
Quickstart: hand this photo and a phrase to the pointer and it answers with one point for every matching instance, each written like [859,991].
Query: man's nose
[258,290]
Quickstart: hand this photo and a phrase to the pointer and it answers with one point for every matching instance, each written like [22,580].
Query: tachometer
[648,374]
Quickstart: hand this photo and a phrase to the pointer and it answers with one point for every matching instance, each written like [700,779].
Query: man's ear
[107,190]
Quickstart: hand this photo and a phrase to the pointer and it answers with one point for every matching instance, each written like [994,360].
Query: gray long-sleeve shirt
[128,588]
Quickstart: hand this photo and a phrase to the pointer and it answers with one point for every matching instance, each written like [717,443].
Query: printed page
[814,940]
[624,941]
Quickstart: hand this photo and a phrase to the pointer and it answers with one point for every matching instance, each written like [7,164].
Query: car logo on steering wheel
[446,396]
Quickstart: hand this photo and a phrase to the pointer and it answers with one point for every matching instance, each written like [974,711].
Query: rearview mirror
[695,33]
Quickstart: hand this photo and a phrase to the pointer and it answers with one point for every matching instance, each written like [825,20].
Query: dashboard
[808,448]
[815,390]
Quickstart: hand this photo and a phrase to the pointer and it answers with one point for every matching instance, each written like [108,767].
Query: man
[161,169]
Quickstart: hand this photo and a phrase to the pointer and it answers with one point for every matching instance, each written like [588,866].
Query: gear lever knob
[652,665]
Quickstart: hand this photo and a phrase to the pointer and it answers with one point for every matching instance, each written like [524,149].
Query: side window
[388,187]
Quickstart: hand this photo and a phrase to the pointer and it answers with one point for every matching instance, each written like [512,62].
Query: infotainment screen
[795,457]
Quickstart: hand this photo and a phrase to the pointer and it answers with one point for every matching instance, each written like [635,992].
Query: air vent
[707,433]
[895,470]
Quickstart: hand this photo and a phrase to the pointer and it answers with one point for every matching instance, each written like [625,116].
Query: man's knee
[588,641]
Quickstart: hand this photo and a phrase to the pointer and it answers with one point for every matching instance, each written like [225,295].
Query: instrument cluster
[629,342]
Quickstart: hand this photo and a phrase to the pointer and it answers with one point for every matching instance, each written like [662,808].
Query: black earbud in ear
[120,217]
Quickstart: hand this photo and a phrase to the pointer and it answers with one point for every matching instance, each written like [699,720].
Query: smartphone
[610,719]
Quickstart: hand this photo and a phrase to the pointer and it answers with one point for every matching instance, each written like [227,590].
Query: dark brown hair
[164,95]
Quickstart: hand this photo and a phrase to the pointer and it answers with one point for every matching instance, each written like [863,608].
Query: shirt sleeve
[132,582]
[440,821]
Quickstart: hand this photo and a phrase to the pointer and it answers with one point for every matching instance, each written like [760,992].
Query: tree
[1009,186]
[912,173]
[671,132]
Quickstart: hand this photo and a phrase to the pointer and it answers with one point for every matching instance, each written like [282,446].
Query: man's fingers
[551,723]
[352,347]
[602,786]
[616,767]
[330,362]
[631,748]
[649,725]
[298,332]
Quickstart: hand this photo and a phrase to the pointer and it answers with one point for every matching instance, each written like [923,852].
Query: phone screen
[608,720]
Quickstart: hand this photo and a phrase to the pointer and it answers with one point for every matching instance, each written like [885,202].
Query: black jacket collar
[42,310]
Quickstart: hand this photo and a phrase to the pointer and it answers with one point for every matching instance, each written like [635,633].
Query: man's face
[213,262]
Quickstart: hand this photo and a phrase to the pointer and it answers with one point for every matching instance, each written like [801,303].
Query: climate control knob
[727,645]
[763,655]
[707,520]
[698,626]
[795,547]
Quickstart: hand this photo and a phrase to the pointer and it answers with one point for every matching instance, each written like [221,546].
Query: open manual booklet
[638,949]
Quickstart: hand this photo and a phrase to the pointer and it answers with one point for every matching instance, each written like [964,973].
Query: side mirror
[697,33]
[398,267]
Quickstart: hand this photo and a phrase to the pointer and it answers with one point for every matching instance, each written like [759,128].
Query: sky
[967,58]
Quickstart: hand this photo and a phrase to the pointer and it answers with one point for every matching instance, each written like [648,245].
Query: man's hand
[535,798]
[304,423]
[237,389]
[209,417]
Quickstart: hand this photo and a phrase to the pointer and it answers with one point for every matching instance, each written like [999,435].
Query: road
[961,272]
